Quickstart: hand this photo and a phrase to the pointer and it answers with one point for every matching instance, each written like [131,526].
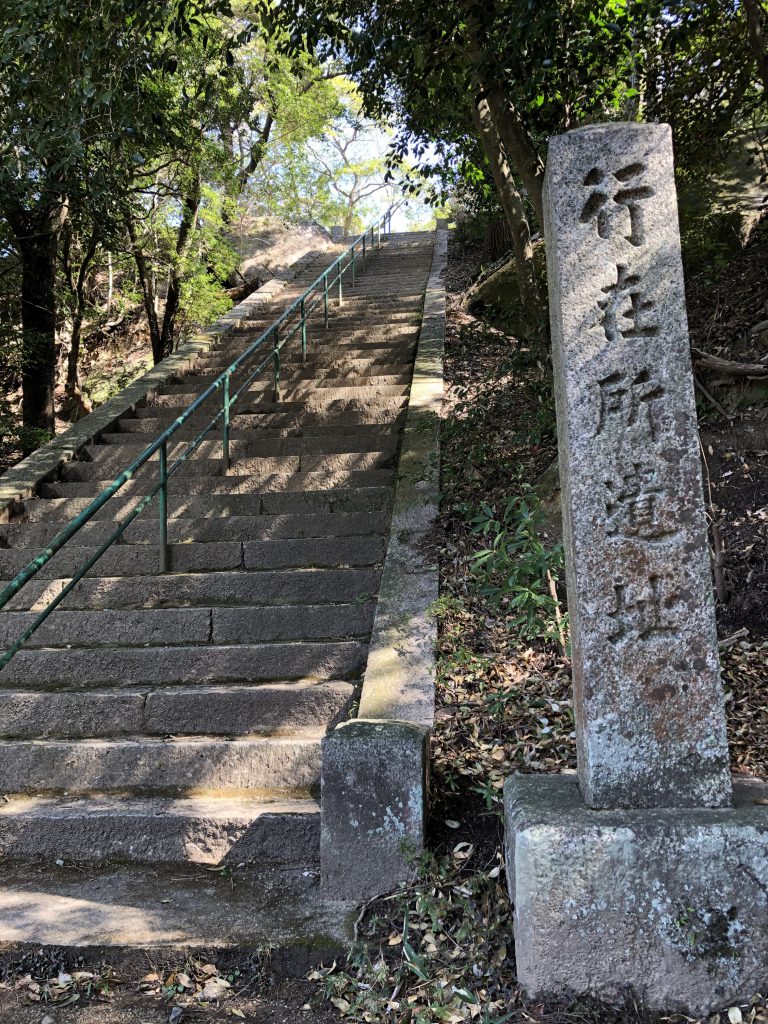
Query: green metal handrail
[279,336]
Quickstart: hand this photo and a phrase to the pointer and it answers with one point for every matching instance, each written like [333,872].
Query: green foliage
[701,79]
[515,568]
[203,300]
[560,64]
[330,176]
[80,98]
[435,953]
[710,235]
[134,129]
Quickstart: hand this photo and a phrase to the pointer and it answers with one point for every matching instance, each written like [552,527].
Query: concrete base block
[669,905]
[373,805]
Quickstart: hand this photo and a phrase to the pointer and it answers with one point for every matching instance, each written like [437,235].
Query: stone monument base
[668,905]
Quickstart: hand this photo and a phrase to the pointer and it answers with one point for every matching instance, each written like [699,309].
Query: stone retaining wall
[375,767]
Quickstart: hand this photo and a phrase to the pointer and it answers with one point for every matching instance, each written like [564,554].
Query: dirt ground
[152,986]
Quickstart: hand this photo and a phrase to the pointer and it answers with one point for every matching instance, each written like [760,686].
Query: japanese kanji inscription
[650,723]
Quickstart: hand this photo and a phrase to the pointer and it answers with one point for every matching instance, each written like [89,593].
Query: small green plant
[445,606]
[435,953]
[516,572]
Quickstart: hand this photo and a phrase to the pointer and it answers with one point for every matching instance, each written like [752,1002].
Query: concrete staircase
[178,717]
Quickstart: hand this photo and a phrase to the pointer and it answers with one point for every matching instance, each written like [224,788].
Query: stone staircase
[178,717]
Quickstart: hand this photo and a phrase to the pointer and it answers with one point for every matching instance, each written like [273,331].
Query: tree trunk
[38,326]
[256,155]
[514,211]
[149,292]
[756,44]
[78,287]
[110,291]
[519,146]
[518,142]
[183,241]
[73,358]
[37,239]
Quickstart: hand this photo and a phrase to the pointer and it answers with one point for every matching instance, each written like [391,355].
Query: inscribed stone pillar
[650,721]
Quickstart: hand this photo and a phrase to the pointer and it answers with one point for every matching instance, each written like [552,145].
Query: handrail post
[364,238]
[353,266]
[276,353]
[378,235]
[162,508]
[303,332]
[225,439]
[325,297]
[341,296]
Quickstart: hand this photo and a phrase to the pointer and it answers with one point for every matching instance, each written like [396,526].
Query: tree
[75,112]
[349,163]
[500,76]
[202,91]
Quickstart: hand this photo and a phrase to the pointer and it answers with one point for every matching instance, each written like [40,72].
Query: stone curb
[375,767]
[22,480]
[399,683]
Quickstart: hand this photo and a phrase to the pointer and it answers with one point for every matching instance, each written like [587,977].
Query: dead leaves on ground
[65,988]
[437,951]
[194,984]
[745,678]
[197,984]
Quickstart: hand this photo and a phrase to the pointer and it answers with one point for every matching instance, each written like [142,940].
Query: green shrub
[514,569]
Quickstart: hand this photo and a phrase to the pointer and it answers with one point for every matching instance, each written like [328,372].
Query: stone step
[47,669]
[183,626]
[176,907]
[360,297]
[200,531]
[248,443]
[343,325]
[245,442]
[341,320]
[295,417]
[364,355]
[317,369]
[370,499]
[364,309]
[223,589]
[248,426]
[394,348]
[231,484]
[196,830]
[311,374]
[176,396]
[261,391]
[389,386]
[268,766]
[113,459]
[270,709]
[215,556]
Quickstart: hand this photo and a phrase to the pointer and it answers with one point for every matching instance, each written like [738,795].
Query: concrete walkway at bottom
[184,906]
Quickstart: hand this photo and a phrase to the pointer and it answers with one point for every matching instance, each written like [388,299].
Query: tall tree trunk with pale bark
[514,210]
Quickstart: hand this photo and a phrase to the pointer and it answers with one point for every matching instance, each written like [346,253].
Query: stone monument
[644,877]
